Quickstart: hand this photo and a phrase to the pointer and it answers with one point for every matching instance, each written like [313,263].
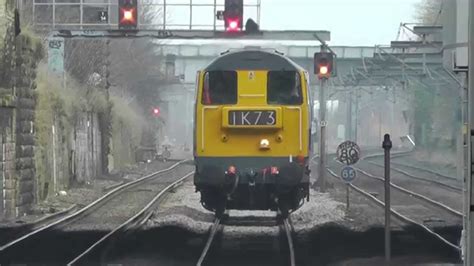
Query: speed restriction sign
[348,152]
[348,174]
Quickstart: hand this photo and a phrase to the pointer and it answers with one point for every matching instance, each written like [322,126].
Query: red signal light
[274,170]
[231,170]
[233,15]
[233,25]
[128,16]
[323,64]
[156,111]
[323,70]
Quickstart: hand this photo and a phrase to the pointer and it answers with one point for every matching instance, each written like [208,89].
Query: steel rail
[212,234]
[288,230]
[411,193]
[403,153]
[397,214]
[392,155]
[142,212]
[284,226]
[426,170]
[98,201]
[418,177]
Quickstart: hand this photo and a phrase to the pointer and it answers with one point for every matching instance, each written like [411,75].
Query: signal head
[128,12]
[323,64]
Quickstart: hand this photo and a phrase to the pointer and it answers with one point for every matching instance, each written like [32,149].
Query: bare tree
[429,11]
[83,57]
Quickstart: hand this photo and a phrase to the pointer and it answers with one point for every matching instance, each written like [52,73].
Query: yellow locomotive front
[252,133]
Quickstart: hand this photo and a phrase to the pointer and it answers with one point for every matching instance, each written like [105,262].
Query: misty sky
[351,22]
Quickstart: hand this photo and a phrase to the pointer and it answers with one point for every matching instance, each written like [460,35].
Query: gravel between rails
[183,209]
[121,207]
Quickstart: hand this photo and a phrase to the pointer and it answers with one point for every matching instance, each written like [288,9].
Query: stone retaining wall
[19,56]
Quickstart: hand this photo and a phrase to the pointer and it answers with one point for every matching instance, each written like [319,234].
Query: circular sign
[348,152]
[348,174]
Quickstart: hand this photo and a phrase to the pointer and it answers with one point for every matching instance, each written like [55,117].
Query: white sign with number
[348,174]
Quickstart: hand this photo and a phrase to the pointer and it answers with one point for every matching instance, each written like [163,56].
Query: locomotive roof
[252,60]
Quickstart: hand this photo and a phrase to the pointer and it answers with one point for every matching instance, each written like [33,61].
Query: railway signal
[156,112]
[233,15]
[128,11]
[323,64]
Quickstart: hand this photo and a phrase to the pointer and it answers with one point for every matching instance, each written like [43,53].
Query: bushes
[54,108]
[127,127]
[62,105]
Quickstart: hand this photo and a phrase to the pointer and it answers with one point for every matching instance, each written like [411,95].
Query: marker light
[274,170]
[264,144]
[300,159]
[231,170]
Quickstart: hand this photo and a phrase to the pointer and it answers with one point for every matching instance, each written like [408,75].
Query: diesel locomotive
[252,132]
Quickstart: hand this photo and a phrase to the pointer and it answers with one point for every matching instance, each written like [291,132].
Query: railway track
[367,186]
[70,239]
[414,221]
[412,166]
[410,192]
[433,176]
[442,194]
[398,214]
[426,170]
[285,228]
[431,184]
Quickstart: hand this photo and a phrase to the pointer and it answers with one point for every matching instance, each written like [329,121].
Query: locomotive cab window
[220,87]
[284,87]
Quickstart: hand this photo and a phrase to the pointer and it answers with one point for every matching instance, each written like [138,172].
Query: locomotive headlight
[264,144]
